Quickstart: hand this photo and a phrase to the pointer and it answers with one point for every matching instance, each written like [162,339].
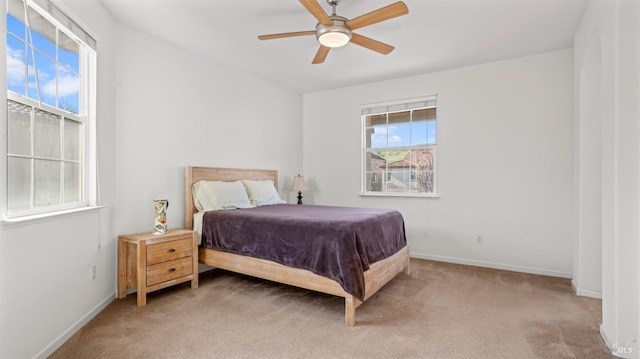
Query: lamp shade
[298,184]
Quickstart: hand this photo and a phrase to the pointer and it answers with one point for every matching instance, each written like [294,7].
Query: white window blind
[399,105]
[17,9]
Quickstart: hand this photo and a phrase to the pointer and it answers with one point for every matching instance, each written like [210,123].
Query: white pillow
[216,195]
[262,193]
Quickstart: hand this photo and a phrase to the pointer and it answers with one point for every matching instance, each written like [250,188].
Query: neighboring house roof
[391,156]
[401,159]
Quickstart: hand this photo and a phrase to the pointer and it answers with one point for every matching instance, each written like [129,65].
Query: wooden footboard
[378,274]
[270,270]
[375,278]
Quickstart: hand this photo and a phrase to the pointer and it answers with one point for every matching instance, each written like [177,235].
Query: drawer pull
[171,270]
[171,250]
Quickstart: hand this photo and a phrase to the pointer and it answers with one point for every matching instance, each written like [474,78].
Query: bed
[374,276]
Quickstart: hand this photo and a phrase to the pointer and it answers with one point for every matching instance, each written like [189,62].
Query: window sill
[400,195]
[44,216]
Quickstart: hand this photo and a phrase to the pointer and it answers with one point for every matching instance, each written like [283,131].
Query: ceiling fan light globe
[334,39]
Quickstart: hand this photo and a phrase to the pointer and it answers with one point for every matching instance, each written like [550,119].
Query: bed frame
[378,274]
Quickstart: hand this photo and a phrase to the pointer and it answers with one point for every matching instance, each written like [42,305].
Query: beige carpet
[440,311]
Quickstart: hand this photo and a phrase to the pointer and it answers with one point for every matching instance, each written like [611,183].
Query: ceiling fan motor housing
[334,35]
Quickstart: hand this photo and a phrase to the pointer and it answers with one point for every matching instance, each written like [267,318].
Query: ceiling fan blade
[286,34]
[316,10]
[322,53]
[371,44]
[382,14]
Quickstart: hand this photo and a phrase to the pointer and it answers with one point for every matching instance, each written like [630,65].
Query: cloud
[378,139]
[382,135]
[380,130]
[384,129]
[381,139]
[68,84]
[15,67]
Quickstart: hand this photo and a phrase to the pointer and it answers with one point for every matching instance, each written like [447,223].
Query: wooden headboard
[195,174]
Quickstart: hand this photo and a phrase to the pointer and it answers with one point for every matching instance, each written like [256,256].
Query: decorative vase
[160,216]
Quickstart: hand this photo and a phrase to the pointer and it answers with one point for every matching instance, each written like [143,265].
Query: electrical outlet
[479,239]
[93,272]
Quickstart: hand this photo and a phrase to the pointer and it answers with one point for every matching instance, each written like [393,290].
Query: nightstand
[149,262]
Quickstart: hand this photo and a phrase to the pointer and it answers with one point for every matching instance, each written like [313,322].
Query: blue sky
[404,134]
[61,75]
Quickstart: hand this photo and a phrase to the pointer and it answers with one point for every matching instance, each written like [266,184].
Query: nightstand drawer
[166,271]
[162,252]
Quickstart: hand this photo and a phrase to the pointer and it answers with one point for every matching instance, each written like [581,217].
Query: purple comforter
[336,242]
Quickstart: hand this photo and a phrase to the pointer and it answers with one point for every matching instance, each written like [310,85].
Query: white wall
[607,49]
[46,288]
[159,109]
[504,162]
[178,109]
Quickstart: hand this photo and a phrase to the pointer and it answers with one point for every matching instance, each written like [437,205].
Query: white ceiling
[435,35]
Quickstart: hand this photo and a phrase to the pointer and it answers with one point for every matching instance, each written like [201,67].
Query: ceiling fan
[336,31]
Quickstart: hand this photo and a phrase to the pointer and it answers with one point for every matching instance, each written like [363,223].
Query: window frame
[387,108]
[86,116]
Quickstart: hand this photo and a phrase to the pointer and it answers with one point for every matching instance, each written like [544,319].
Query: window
[399,148]
[50,117]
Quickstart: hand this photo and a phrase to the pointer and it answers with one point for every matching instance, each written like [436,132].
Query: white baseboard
[586,292]
[493,265]
[605,337]
[57,343]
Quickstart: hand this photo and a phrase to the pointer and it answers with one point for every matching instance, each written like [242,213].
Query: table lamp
[298,185]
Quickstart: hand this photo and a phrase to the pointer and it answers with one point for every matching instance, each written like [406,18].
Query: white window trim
[44,216]
[87,109]
[392,107]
